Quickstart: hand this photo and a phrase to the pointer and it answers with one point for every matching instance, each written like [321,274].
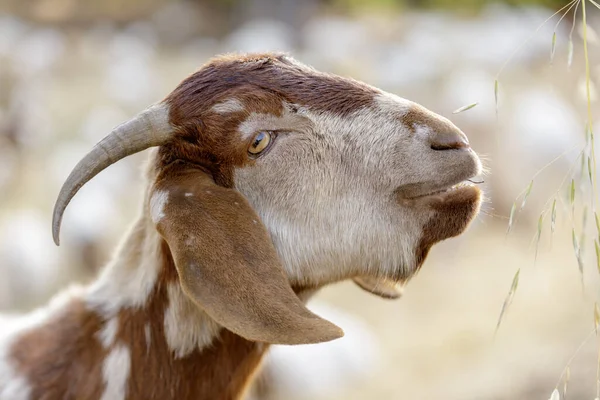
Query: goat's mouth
[449,209]
[466,190]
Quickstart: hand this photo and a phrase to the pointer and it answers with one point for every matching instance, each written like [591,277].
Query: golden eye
[260,143]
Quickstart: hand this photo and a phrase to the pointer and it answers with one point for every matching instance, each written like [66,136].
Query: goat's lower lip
[462,189]
[444,190]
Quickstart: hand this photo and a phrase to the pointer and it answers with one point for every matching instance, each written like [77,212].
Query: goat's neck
[134,334]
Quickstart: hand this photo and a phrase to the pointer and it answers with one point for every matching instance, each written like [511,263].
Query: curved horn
[150,128]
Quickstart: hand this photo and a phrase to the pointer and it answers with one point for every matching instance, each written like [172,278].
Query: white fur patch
[327,190]
[327,193]
[130,277]
[12,385]
[228,106]
[422,131]
[157,205]
[257,122]
[355,223]
[187,327]
[388,102]
[108,333]
[190,240]
[116,370]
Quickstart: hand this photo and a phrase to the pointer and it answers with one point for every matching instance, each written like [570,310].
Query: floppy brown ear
[227,263]
[380,286]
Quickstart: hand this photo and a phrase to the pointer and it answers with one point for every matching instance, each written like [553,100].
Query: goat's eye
[260,143]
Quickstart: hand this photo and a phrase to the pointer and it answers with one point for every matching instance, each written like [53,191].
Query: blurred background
[71,70]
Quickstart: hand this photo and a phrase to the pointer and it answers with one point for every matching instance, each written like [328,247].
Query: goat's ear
[227,263]
[380,286]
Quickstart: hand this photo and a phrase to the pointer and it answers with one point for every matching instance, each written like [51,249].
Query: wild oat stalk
[588,165]
[465,108]
[553,217]
[511,218]
[538,235]
[496,81]
[589,98]
[578,256]
[597,247]
[527,193]
[566,384]
[566,372]
[496,95]
[553,49]
[570,47]
[572,196]
[509,297]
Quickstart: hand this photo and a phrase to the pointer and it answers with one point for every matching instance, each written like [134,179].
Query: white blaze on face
[228,106]
[256,122]
[392,104]
[115,371]
[325,191]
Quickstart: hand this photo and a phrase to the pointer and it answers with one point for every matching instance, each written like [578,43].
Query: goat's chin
[451,213]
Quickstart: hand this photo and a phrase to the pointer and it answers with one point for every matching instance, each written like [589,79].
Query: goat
[269,181]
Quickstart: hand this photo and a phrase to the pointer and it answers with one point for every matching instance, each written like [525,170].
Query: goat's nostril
[449,141]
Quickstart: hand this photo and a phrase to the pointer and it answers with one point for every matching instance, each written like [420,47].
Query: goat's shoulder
[60,340]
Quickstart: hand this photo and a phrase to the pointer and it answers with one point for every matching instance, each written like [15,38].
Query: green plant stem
[530,37]
[589,103]
[588,337]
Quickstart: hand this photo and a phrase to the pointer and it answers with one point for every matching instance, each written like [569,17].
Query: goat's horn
[150,128]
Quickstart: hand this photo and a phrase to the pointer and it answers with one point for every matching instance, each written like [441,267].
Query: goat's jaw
[451,213]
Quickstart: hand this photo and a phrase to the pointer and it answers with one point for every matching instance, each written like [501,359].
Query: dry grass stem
[509,297]
[465,108]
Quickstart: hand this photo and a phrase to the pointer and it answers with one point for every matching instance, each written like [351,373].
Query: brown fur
[456,206]
[220,371]
[62,359]
[207,137]
[269,73]
[261,82]
[227,263]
